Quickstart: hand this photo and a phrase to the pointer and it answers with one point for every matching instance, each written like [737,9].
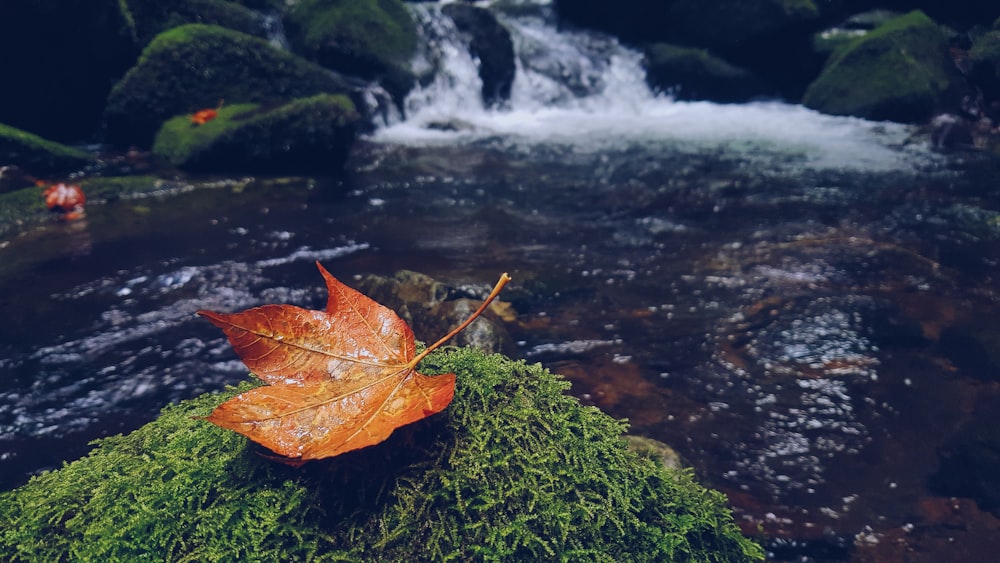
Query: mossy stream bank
[513,470]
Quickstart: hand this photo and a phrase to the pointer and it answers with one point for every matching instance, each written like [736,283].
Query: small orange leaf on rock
[337,380]
[203,116]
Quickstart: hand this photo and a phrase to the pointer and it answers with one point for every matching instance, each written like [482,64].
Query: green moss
[194,66]
[306,135]
[899,71]
[362,37]
[38,156]
[513,470]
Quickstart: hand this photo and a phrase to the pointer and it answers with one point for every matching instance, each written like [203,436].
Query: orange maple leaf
[64,198]
[338,380]
[203,116]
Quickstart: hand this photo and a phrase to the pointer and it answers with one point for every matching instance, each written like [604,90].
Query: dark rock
[373,39]
[309,135]
[59,59]
[970,461]
[696,74]
[486,333]
[489,42]
[950,131]
[901,71]
[432,308]
[193,67]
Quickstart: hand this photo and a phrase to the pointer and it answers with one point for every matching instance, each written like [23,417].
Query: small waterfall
[585,89]
[556,71]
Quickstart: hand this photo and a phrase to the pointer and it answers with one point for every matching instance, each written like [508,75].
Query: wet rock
[950,131]
[307,135]
[485,333]
[696,74]
[373,39]
[432,309]
[970,461]
[38,157]
[408,293]
[490,42]
[231,66]
[901,71]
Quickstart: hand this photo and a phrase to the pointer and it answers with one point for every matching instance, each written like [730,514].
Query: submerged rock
[512,470]
[901,71]
[309,135]
[197,66]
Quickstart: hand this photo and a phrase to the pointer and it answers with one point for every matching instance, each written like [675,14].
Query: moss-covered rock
[374,39]
[303,136]
[900,71]
[60,58]
[39,157]
[151,17]
[696,74]
[513,470]
[194,66]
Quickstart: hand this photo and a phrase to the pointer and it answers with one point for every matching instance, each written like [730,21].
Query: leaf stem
[504,278]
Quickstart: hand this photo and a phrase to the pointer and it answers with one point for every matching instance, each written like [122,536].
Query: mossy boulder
[373,39]
[308,135]
[512,470]
[152,17]
[696,74]
[195,66]
[900,71]
[39,157]
[60,58]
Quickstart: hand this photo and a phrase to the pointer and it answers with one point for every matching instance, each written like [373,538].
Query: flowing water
[795,302]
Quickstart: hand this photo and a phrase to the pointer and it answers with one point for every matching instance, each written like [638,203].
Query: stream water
[795,302]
